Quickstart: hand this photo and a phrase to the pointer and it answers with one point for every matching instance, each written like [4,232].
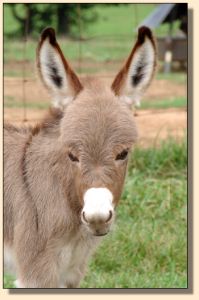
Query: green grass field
[148,245]
[174,102]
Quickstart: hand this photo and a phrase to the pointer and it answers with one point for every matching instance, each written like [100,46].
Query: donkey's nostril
[84,218]
[97,218]
[110,216]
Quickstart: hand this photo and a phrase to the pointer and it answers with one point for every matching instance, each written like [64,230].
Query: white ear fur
[55,71]
[140,72]
[54,75]
[136,75]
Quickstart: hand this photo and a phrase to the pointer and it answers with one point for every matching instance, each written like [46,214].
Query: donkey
[63,178]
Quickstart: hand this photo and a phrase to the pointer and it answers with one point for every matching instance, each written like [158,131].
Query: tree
[27,15]
[33,17]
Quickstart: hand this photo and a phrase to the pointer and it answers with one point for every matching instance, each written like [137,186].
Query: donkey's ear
[136,74]
[55,71]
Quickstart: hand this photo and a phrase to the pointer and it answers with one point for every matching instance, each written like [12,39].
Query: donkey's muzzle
[98,211]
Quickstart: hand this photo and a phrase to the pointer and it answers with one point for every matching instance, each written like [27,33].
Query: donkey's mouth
[101,234]
[97,229]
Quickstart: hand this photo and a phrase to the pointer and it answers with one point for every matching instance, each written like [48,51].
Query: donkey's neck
[44,171]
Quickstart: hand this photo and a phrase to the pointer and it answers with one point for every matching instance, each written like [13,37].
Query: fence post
[80,37]
[24,80]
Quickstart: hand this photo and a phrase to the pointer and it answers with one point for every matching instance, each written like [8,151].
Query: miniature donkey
[63,178]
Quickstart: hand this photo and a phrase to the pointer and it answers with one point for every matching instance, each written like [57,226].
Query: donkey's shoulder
[14,129]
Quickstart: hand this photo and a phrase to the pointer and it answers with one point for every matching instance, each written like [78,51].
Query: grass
[174,102]
[148,245]
[111,17]
[99,50]
[12,102]
[179,102]
[175,77]
[9,281]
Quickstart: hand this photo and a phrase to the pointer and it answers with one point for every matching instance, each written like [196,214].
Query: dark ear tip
[49,32]
[144,32]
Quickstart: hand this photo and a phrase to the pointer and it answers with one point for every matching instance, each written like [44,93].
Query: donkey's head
[97,130]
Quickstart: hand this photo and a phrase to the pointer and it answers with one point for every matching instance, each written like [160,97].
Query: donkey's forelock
[96,119]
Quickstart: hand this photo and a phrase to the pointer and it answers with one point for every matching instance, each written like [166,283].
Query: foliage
[33,17]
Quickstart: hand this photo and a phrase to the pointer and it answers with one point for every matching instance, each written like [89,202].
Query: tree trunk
[63,24]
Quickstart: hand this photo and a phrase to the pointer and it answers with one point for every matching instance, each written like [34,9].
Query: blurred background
[148,247]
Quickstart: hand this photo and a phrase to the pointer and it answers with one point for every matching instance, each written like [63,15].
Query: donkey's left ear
[55,71]
[136,74]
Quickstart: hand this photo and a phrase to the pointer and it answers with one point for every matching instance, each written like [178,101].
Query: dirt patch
[164,89]
[157,125]
[16,89]
[153,125]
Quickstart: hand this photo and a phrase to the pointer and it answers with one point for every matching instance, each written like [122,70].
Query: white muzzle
[98,210]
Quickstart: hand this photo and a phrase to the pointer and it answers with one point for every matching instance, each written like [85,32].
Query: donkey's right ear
[55,71]
[136,74]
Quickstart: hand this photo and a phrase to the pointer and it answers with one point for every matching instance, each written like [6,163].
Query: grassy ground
[176,77]
[148,245]
[175,102]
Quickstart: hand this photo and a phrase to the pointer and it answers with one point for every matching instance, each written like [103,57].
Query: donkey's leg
[74,282]
[36,268]
[40,273]
[75,276]
[36,263]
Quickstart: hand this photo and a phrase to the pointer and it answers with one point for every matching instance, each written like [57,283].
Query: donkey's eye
[73,157]
[122,155]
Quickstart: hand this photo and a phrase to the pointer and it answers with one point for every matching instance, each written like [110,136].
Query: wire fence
[22,87]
